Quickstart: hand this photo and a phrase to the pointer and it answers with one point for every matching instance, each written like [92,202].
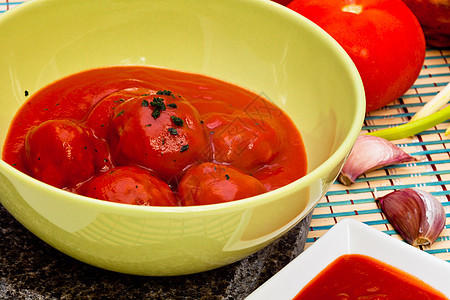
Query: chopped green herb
[227,176]
[172,131]
[148,125]
[158,103]
[16,164]
[145,103]
[164,92]
[156,113]
[45,108]
[184,148]
[163,141]
[172,105]
[105,160]
[201,122]
[177,121]
[120,113]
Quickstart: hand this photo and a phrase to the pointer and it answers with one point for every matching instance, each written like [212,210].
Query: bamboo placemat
[6,4]
[431,172]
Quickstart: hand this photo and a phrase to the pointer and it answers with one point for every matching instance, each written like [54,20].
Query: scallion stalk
[413,127]
[434,104]
[427,117]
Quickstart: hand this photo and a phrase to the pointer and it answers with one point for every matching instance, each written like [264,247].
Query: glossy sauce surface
[87,132]
[355,276]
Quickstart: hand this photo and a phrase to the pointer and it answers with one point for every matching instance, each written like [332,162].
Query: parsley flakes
[164,92]
[177,121]
[172,131]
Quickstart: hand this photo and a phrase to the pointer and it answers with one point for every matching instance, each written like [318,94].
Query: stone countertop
[30,269]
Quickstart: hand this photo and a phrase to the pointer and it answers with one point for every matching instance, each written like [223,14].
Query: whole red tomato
[383,38]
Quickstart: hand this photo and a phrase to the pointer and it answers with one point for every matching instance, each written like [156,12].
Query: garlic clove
[370,153]
[415,214]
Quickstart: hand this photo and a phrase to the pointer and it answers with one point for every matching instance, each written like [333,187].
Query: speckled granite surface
[30,269]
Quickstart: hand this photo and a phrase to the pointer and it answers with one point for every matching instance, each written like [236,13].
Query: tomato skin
[136,137]
[384,40]
[59,152]
[210,183]
[242,142]
[129,185]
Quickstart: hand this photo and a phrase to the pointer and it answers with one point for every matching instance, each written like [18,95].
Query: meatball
[101,114]
[59,152]
[210,183]
[241,141]
[161,132]
[129,185]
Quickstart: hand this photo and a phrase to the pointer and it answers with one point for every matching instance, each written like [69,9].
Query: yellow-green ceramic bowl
[256,44]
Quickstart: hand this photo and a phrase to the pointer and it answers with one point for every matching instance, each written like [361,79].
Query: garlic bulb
[370,153]
[415,214]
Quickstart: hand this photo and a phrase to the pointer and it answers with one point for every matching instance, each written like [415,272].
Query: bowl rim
[320,171]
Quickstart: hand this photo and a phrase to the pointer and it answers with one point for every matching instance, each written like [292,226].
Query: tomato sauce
[194,139]
[354,276]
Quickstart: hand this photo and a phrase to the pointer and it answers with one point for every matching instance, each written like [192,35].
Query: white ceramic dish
[353,237]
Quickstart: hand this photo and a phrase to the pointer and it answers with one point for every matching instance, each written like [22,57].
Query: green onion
[413,127]
[430,115]
[434,104]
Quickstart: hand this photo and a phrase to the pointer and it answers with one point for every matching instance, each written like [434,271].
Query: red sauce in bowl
[130,134]
[355,276]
